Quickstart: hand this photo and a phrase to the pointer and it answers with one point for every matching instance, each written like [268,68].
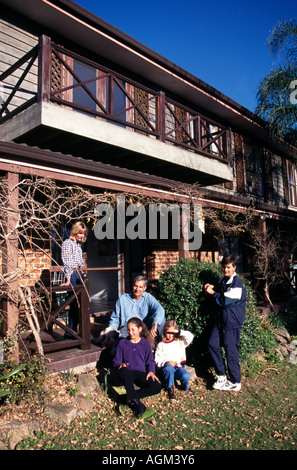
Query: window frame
[292,183]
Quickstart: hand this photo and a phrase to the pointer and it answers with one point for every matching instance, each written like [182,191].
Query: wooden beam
[44,69]
[10,258]
[183,242]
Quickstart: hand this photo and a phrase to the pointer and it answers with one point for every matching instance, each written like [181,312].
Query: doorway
[104,266]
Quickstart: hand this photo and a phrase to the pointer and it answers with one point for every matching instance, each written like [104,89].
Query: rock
[282,336]
[60,413]
[192,371]
[283,351]
[264,310]
[80,414]
[84,403]
[12,432]
[284,347]
[66,413]
[293,357]
[293,353]
[87,383]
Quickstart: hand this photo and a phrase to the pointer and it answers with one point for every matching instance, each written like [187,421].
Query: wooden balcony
[53,83]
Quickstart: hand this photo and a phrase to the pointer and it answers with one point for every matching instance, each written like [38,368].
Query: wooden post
[10,258]
[262,228]
[183,242]
[122,266]
[44,69]
[198,131]
[84,319]
[162,120]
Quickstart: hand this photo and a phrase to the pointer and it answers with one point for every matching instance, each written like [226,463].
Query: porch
[77,351]
[74,357]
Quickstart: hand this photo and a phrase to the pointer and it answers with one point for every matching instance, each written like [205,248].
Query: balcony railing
[51,73]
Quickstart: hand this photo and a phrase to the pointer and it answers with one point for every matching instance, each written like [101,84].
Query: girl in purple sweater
[135,364]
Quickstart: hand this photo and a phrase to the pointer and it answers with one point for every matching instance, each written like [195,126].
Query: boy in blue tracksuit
[230,299]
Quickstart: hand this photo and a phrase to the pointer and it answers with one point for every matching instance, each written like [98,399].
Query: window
[254,164]
[116,98]
[93,90]
[292,180]
[80,95]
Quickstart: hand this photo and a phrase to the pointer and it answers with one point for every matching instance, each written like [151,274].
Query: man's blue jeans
[172,373]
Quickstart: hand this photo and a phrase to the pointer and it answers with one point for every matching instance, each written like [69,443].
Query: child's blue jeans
[172,373]
[73,312]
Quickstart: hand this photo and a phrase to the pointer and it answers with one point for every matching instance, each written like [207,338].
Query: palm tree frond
[283,40]
[274,97]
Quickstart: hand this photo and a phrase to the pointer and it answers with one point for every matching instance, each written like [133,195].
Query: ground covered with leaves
[262,416]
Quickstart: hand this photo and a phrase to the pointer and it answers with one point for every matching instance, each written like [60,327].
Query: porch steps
[74,358]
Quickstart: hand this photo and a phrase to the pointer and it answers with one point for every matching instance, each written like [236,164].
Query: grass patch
[262,416]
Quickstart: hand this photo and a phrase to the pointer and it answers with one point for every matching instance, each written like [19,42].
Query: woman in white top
[170,356]
[72,257]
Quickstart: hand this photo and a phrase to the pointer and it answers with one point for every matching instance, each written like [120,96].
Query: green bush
[23,382]
[180,291]
[5,391]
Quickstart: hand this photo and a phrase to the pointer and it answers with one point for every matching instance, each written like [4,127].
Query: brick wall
[164,259]
[161,261]
[35,266]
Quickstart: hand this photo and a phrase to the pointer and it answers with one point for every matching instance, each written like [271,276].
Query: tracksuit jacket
[230,298]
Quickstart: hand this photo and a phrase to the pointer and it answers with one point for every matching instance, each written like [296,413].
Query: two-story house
[82,102]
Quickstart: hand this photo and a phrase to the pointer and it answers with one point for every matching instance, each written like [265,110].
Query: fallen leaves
[262,416]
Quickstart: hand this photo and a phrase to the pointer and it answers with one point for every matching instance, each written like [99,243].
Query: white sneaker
[220,382]
[229,386]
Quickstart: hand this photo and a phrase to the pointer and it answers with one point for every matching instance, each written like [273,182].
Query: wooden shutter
[239,163]
[286,181]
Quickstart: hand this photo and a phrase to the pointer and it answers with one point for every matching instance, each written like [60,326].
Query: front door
[104,269]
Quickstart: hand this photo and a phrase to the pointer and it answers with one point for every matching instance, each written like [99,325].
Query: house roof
[41,161]
[68,19]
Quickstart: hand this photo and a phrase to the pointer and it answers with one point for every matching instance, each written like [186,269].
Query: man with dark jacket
[229,297]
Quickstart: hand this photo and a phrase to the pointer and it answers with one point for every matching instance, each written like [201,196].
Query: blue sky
[224,43]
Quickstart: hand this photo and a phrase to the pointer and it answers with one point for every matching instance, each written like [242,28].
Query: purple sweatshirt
[139,355]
